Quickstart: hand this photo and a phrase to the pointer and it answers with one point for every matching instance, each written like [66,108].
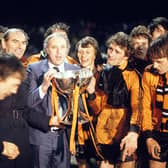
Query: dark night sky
[100,11]
[109,15]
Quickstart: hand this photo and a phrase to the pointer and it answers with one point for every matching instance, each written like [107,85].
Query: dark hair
[140,30]
[121,39]
[85,42]
[10,65]
[158,21]
[3,29]
[57,26]
[88,40]
[7,33]
[159,47]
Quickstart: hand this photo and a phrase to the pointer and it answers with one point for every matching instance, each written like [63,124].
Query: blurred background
[85,17]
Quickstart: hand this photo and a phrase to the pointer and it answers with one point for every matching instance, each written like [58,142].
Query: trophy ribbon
[74,121]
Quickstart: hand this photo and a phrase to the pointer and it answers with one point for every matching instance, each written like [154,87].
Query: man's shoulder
[69,66]
[33,58]
[38,65]
[151,69]
[71,60]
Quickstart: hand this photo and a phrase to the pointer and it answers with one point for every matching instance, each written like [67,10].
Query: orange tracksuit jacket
[114,123]
[150,119]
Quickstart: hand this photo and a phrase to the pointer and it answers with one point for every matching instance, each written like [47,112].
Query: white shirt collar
[60,67]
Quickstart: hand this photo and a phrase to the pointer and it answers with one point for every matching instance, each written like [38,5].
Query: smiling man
[14,42]
[115,100]
[13,126]
[47,137]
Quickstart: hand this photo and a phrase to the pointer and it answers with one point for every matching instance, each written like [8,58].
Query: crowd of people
[115,115]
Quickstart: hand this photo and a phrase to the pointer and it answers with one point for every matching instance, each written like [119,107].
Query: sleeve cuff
[91,96]
[134,128]
[148,134]
[41,93]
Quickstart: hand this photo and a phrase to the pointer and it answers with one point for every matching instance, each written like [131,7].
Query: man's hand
[47,80]
[54,121]
[153,148]
[129,144]
[91,87]
[10,150]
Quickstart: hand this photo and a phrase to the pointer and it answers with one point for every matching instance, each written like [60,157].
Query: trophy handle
[67,118]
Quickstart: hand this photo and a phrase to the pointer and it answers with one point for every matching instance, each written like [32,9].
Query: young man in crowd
[140,39]
[158,26]
[155,103]
[115,101]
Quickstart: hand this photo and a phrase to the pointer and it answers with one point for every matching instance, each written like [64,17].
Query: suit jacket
[12,108]
[39,109]
[13,128]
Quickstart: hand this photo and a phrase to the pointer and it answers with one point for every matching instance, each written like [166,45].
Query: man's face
[86,56]
[16,44]
[158,31]
[161,64]
[57,50]
[116,54]
[140,44]
[10,85]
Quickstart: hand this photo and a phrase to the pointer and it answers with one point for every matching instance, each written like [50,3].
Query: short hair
[120,39]
[7,33]
[86,41]
[140,30]
[3,29]
[57,26]
[57,34]
[9,65]
[159,47]
[163,21]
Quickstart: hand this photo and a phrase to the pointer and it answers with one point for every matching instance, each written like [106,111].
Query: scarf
[162,94]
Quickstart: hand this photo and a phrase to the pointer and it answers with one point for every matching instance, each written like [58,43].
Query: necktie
[57,69]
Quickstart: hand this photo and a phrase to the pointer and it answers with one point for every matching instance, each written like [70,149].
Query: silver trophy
[65,85]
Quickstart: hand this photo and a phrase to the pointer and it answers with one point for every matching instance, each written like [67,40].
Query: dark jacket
[13,128]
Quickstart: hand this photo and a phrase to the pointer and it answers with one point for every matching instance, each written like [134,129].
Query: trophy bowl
[66,81]
[65,84]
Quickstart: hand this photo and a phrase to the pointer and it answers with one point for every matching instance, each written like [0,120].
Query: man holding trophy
[48,105]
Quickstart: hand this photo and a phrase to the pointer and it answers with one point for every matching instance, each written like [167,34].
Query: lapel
[45,66]
[43,69]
